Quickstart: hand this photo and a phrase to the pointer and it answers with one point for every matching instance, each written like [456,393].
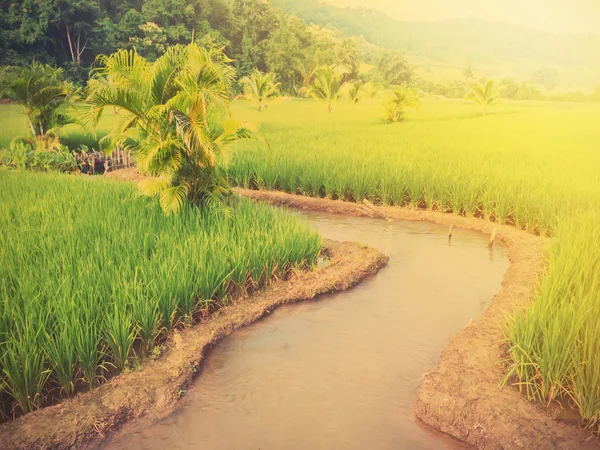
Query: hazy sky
[549,15]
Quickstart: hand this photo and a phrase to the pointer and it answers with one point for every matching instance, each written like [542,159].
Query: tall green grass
[531,165]
[91,275]
[74,136]
[13,123]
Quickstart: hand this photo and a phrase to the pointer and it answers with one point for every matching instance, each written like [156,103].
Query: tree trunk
[484,111]
[68,30]
[32,128]
[329,107]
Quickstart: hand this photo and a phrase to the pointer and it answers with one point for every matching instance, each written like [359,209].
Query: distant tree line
[253,33]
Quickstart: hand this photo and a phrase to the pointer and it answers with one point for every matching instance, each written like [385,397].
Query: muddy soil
[154,390]
[462,396]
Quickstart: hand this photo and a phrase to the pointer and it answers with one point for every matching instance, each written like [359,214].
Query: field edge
[462,395]
[153,391]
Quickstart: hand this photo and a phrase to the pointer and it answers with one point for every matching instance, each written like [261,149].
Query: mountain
[497,48]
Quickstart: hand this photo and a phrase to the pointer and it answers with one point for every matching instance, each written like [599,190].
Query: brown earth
[154,390]
[462,396]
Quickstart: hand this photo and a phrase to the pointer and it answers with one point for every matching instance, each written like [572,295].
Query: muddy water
[341,372]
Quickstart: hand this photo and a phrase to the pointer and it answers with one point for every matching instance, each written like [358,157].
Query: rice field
[92,277]
[14,123]
[531,165]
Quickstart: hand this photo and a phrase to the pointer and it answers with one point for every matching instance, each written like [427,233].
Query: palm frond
[173,198]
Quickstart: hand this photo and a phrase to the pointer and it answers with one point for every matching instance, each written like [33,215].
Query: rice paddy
[92,277]
[530,165]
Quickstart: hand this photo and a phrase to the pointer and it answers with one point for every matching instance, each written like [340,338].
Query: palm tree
[324,83]
[370,91]
[355,92]
[259,88]
[469,75]
[345,57]
[404,97]
[172,116]
[41,90]
[485,94]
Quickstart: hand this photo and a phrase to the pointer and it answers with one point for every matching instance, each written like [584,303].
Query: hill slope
[496,48]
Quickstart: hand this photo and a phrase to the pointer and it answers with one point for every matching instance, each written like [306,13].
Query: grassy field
[14,123]
[531,165]
[91,275]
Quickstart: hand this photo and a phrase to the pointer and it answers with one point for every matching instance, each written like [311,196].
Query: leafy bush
[174,117]
[404,97]
[24,156]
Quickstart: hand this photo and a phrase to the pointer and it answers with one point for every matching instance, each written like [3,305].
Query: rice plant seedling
[533,166]
[91,274]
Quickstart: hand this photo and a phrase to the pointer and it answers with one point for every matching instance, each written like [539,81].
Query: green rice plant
[62,356]
[119,334]
[127,274]
[87,340]
[531,166]
[24,367]
[586,377]
[145,315]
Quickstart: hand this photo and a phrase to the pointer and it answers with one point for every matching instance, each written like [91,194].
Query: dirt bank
[461,396]
[154,390]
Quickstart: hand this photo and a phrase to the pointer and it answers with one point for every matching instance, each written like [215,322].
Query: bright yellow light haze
[573,16]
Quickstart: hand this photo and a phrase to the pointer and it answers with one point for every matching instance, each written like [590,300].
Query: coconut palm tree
[355,92]
[259,88]
[172,115]
[370,91]
[324,83]
[41,90]
[404,98]
[485,94]
[469,75]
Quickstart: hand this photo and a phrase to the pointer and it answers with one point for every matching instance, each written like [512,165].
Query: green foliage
[539,178]
[25,155]
[404,97]
[546,77]
[469,75]
[394,68]
[41,90]
[355,91]
[485,94]
[555,342]
[173,117]
[152,43]
[259,88]
[451,41]
[325,84]
[121,261]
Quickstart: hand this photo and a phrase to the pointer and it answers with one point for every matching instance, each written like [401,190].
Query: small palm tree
[172,116]
[41,90]
[469,75]
[485,94]
[404,98]
[259,88]
[370,91]
[355,92]
[324,83]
